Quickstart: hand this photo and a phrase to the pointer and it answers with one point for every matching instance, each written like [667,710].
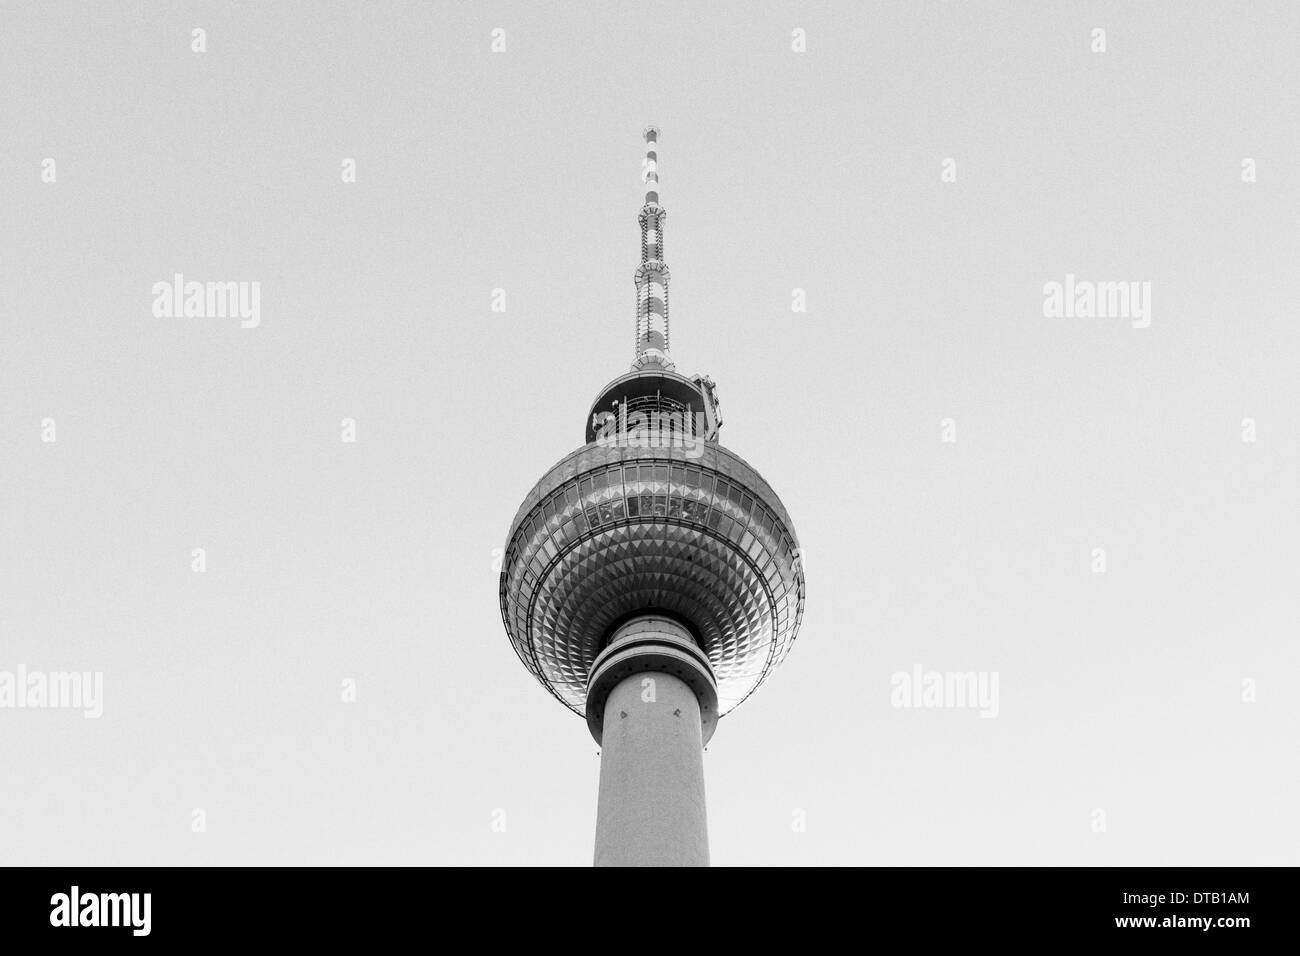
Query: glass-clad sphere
[693,532]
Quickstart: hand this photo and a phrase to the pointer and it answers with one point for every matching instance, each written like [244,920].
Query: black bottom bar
[335,906]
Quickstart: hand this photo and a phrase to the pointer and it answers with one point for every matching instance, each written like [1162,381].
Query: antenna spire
[652,275]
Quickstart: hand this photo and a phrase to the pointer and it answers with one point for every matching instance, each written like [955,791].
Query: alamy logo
[60,690]
[946,690]
[102,909]
[208,300]
[1084,299]
[653,429]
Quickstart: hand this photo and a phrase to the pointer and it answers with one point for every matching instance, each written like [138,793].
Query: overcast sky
[1127,729]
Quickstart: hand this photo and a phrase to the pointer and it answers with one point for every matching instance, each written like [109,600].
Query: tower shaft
[651,806]
[652,705]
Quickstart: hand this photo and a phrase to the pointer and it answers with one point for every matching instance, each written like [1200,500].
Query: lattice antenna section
[652,275]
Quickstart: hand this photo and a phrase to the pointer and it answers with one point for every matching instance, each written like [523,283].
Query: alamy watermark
[652,429]
[1085,299]
[75,908]
[179,299]
[945,690]
[53,690]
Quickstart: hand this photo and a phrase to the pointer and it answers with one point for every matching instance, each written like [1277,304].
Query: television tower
[652,581]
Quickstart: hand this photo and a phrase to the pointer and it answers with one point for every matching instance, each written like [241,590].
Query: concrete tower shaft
[652,706]
[651,807]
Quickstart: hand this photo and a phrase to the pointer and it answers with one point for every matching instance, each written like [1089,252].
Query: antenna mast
[652,275]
